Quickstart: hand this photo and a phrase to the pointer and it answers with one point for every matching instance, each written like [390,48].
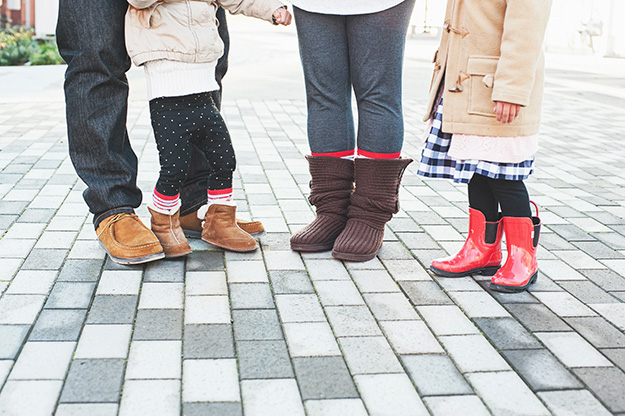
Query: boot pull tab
[535,207]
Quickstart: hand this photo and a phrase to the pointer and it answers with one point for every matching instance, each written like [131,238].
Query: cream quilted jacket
[183,30]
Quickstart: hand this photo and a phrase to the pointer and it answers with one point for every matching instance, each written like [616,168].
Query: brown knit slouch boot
[168,231]
[374,201]
[330,189]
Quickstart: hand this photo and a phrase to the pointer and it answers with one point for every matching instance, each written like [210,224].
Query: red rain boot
[521,267]
[476,256]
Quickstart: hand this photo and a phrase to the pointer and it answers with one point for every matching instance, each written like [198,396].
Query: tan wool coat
[183,30]
[491,50]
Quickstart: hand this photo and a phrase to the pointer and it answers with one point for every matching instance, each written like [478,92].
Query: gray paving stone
[425,257]
[505,394]
[418,241]
[401,224]
[394,250]
[541,370]
[208,341]
[606,279]
[597,250]
[614,240]
[537,317]
[213,408]
[112,310]
[251,296]
[617,355]
[12,207]
[506,334]
[94,381]
[263,360]
[91,409]
[79,270]
[111,265]
[171,270]
[588,292]
[456,405]
[571,232]
[205,260]
[58,325]
[70,295]
[33,215]
[369,355]
[552,241]
[256,324]
[158,324]
[435,375]
[11,339]
[598,332]
[607,384]
[290,282]
[45,259]
[573,402]
[324,378]
[352,321]
[7,220]
[425,293]
[276,241]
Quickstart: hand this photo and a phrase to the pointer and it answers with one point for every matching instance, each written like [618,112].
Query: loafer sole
[134,260]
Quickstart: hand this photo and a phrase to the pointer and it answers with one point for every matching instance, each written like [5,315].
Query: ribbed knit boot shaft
[372,204]
[330,188]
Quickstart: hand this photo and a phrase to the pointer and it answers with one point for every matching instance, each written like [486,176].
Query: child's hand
[282,17]
[506,112]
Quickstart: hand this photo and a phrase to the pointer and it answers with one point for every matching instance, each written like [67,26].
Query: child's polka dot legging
[179,123]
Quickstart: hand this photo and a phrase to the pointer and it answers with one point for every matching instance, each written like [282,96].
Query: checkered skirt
[436,163]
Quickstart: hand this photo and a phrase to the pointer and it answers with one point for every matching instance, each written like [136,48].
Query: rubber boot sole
[230,248]
[514,289]
[354,257]
[189,233]
[312,248]
[126,261]
[484,271]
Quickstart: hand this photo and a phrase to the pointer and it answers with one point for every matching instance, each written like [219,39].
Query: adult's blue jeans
[360,52]
[90,36]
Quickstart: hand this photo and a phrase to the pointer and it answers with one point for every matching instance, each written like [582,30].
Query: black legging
[486,195]
[179,123]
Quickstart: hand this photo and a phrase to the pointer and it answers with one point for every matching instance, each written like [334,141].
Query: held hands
[506,112]
[282,17]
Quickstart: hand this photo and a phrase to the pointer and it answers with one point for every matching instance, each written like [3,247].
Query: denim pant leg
[90,36]
[193,190]
[325,60]
[376,52]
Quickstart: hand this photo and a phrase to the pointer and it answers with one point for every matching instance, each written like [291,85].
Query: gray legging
[360,51]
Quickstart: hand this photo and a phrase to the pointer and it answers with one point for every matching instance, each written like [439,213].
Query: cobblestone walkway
[277,333]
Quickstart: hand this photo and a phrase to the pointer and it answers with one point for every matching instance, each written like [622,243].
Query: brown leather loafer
[192,226]
[127,240]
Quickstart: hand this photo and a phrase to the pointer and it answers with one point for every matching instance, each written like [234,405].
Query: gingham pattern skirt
[436,163]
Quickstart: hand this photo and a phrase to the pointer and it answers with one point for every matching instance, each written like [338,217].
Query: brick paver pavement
[279,333]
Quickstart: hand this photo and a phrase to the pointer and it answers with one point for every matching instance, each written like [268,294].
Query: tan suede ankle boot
[169,233]
[220,229]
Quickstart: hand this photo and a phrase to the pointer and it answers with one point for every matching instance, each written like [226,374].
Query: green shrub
[18,47]
[46,54]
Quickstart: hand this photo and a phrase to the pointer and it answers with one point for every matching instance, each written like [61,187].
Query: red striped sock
[345,154]
[219,196]
[164,203]
[372,155]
